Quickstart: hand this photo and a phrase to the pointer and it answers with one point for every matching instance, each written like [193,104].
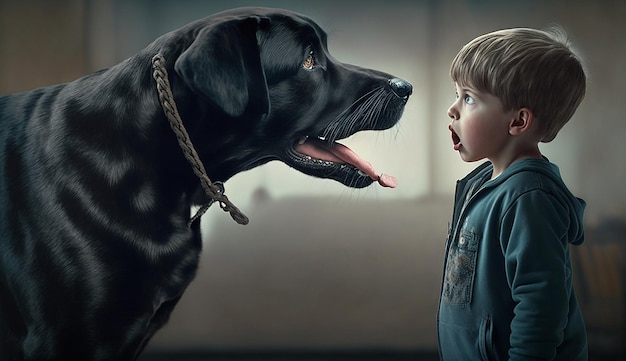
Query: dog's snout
[401,87]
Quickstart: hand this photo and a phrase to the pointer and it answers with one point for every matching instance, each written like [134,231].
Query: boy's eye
[468,99]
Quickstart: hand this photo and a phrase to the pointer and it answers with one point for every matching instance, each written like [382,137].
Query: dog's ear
[223,63]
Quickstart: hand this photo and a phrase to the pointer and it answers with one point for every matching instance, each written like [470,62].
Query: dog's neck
[214,191]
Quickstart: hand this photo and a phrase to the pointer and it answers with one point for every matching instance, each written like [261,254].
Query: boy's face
[479,126]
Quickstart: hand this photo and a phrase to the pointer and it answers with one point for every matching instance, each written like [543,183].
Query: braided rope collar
[214,190]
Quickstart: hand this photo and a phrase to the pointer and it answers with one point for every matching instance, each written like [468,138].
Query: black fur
[95,193]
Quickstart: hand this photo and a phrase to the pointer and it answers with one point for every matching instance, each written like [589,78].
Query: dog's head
[267,88]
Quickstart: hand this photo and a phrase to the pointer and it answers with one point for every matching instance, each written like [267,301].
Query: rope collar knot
[213,190]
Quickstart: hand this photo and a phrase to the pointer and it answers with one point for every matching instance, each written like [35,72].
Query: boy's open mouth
[455,139]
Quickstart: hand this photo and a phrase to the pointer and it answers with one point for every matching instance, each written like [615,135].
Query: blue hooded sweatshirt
[507,288]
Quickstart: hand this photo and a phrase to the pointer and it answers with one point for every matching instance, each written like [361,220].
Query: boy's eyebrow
[468,89]
[464,88]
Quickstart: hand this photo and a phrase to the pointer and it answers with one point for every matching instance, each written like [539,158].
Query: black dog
[95,190]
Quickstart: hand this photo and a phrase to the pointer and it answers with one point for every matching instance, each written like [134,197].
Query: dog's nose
[401,87]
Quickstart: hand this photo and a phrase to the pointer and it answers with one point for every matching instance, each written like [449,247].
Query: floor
[317,356]
[292,356]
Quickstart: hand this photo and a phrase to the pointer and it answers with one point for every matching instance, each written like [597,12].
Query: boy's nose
[452,113]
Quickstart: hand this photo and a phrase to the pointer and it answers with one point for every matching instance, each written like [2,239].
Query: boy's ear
[522,121]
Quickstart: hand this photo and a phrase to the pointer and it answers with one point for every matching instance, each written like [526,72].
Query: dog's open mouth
[319,158]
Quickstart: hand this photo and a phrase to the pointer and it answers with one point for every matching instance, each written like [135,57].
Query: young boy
[507,287]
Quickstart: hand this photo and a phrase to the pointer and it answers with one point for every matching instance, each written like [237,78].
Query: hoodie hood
[575,205]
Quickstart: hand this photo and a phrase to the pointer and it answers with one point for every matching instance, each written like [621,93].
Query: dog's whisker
[365,109]
[360,99]
[364,96]
[378,110]
[371,109]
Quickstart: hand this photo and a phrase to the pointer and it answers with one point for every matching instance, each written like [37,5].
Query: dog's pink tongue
[387,181]
[349,156]
[340,153]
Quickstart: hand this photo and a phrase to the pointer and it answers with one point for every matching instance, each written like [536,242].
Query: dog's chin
[343,173]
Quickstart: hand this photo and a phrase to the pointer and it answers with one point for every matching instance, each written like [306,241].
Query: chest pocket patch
[461,268]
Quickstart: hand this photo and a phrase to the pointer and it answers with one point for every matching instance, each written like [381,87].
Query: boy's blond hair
[526,68]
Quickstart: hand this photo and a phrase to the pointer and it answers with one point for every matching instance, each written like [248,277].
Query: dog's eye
[309,62]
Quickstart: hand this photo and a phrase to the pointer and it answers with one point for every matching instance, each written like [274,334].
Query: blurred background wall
[321,266]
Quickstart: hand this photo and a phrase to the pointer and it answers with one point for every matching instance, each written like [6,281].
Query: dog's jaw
[337,153]
[341,172]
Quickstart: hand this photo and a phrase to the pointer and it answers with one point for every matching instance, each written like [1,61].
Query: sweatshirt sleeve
[534,242]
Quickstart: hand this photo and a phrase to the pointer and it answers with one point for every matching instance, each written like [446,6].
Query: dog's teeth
[303,140]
